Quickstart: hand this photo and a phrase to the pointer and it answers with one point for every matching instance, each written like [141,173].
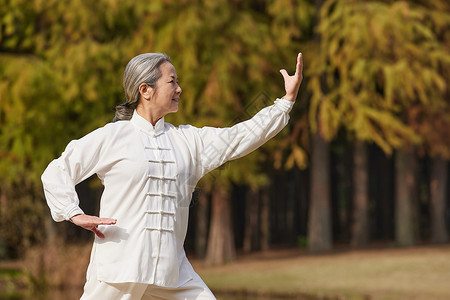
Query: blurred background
[359,176]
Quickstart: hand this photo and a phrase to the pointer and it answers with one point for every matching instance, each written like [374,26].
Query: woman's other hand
[292,83]
[91,222]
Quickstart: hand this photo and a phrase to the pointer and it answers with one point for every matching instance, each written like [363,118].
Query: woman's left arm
[218,145]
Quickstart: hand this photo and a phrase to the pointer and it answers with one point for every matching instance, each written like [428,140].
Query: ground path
[419,273]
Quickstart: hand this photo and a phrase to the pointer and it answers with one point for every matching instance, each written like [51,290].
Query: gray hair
[143,68]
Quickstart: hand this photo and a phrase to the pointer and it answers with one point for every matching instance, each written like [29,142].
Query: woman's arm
[81,159]
[218,145]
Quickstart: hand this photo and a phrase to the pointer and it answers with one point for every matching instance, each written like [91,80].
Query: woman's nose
[179,90]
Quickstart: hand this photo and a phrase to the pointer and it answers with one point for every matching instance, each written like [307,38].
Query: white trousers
[194,289]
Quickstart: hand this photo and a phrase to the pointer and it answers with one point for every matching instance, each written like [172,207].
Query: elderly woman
[149,170]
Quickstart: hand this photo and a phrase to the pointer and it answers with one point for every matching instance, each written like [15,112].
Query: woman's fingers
[299,66]
[102,221]
[106,221]
[98,232]
[88,220]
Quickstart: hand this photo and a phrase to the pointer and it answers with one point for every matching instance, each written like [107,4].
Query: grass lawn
[420,273]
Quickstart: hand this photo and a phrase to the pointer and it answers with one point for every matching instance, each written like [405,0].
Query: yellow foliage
[377,59]
[297,157]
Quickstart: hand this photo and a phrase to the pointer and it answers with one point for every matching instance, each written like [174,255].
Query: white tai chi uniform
[149,173]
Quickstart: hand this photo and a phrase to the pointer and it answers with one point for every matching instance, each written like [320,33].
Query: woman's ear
[146,91]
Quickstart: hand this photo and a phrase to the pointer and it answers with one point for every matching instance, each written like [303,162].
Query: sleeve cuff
[73,211]
[284,105]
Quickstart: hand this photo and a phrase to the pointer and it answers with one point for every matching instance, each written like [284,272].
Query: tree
[405,196]
[221,246]
[378,59]
[252,218]
[319,221]
[201,223]
[438,200]
[360,224]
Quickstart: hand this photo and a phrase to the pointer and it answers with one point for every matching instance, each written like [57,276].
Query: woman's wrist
[289,97]
[71,218]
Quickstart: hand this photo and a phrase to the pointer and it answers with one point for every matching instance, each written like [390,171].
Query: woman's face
[167,92]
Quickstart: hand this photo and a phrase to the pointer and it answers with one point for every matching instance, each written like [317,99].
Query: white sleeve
[81,159]
[219,145]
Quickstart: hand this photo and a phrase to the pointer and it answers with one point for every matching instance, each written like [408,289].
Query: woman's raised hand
[91,222]
[292,83]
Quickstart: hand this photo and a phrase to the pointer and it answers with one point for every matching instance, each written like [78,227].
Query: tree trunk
[201,225]
[3,212]
[264,238]
[438,200]
[405,181]
[360,228]
[319,222]
[221,247]
[385,196]
[50,232]
[251,230]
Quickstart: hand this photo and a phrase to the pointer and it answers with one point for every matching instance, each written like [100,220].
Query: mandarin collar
[147,127]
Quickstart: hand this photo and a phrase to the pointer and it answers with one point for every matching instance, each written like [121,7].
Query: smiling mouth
[176,100]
